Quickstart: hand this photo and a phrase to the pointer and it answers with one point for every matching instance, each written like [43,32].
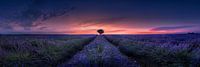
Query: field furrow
[100,53]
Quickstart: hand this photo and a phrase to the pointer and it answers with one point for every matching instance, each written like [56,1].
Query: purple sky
[85,17]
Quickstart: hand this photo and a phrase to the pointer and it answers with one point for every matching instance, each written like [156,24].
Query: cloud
[117,31]
[5,26]
[170,28]
[103,21]
[37,10]
[108,19]
[42,28]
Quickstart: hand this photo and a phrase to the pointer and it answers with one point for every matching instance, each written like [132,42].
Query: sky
[87,16]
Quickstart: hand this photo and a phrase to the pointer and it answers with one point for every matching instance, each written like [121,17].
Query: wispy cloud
[103,21]
[171,28]
[116,31]
[38,10]
[108,19]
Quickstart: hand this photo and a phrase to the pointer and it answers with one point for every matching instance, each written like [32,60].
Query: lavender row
[100,53]
[161,50]
[39,50]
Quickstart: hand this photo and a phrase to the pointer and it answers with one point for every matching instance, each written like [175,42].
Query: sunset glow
[85,17]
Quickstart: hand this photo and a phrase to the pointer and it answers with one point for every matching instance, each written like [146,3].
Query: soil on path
[100,53]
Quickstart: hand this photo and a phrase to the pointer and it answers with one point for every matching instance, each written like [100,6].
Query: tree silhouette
[100,31]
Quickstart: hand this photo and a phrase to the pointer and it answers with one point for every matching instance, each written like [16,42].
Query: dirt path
[100,53]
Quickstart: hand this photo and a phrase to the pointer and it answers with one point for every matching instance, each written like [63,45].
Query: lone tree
[100,31]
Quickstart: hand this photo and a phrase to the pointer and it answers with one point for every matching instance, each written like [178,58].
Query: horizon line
[85,34]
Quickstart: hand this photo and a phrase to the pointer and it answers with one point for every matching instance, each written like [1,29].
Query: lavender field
[177,50]
[39,50]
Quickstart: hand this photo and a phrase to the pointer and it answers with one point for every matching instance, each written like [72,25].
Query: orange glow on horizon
[109,29]
[78,27]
